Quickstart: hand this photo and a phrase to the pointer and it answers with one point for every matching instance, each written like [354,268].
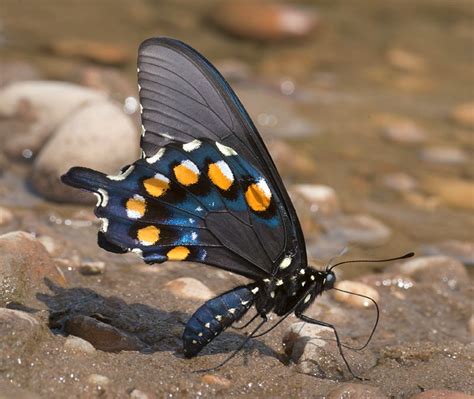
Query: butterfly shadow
[112,325]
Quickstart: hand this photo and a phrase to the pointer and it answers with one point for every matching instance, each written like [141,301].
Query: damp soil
[344,87]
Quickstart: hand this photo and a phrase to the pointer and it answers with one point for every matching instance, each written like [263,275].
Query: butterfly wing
[184,97]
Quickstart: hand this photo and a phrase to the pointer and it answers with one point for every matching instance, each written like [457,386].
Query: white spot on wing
[143,130]
[191,166]
[218,317]
[254,290]
[308,297]
[166,135]
[262,184]
[156,157]
[207,325]
[104,224]
[224,168]
[191,146]
[194,236]
[135,214]
[285,262]
[279,282]
[227,151]
[105,197]
[137,251]
[123,175]
[232,310]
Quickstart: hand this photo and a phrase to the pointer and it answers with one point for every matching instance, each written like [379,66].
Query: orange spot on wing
[135,207]
[156,186]
[178,253]
[256,198]
[185,175]
[148,235]
[218,177]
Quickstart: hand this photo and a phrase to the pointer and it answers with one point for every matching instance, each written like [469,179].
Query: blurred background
[368,110]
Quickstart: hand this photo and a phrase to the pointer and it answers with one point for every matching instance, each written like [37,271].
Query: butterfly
[206,190]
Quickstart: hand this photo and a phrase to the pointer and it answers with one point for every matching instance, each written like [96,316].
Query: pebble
[406,60]
[137,394]
[400,182]
[456,193]
[360,229]
[79,345]
[101,335]
[441,394]
[264,21]
[463,114]
[211,379]
[463,251]
[46,103]
[444,155]
[433,269]
[321,199]
[189,288]
[98,379]
[92,268]
[83,139]
[404,132]
[356,391]
[358,288]
[6,216]
[24,264]
[103,53]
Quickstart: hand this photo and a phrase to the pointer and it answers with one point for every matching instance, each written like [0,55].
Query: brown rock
[462,251]
[189,288]
[104,53]
[24,265]
[452,192]
[356,391]
[441,394]
[443,155]
[78,345]
[211,379]
[404,132]
[264,21]
[463,114]
[401,182]
[405,60]
[358,288]
[92,268]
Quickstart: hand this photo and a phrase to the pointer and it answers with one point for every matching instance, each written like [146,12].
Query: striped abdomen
[214,317]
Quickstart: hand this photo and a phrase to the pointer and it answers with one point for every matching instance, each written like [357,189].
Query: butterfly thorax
[296,291]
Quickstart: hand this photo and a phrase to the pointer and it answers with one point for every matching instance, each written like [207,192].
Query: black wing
[184,97]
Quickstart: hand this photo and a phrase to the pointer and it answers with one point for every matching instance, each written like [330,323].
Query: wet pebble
[189,288]
[98,379]
[45,104]
[101,335]
[265,21]
[435,269]
[356,391]
[404,132]
[400,182]
[358,288]
[83,139]
[24,264]
[457,193]
[444,155]
[320,198]
[441,394]
[78,345]
[6,216]
[463,251]
[359,229]
[211,379]
[104,53]
[92,268]
[463,114]
[406,60]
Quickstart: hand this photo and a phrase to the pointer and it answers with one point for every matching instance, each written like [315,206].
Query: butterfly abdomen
[214,317]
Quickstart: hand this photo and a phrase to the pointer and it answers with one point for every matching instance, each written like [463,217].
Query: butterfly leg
[338,341]
[247,339]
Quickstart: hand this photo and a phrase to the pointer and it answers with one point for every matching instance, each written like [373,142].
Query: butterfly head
[329,280]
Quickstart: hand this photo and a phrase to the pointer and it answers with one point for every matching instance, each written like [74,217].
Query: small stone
[463,114]
[444,155]
[44,105]
[359,229]
[264,21]
[137,394]
[104,53]
[79,345]
[189,288]
[400,182]
[435,269]
[404,132]
[321,199]
[452,192]
[356,391]
[211,379]
[462,251]
[6,216]
[441,394]
[24,266]
[405,60]
[103,336]
[357,288]
[83,139]
[92,268]
[97,379]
